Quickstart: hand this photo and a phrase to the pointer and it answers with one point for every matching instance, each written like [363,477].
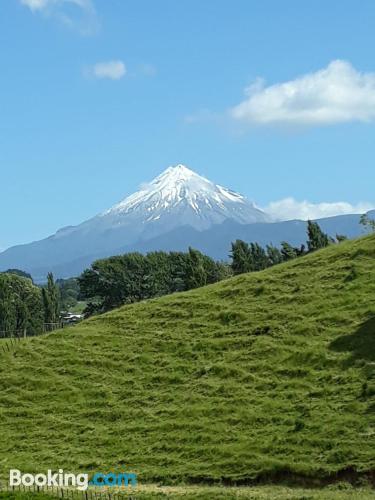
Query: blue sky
[99,96]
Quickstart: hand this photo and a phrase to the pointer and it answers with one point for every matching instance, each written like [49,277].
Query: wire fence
[51,327]
[8,334]
[12,337]
[70,494]
[23,333]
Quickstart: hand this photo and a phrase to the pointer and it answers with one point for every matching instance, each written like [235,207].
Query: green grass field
[264,377]
[338,492]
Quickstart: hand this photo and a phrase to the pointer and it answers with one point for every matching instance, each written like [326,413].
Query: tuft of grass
[266,377]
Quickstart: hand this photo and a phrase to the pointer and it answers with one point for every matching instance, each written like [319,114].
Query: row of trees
[248,257]
[25,307]
[133,277]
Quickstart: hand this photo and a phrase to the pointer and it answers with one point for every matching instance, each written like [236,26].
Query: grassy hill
[263,377]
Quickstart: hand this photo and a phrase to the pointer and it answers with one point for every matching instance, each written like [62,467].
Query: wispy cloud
[289,208]
[112,70]
[83,18]
[336,94]
[35,4]
[43,5]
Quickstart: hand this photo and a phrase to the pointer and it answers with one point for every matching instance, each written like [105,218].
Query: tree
[158,274]
[22,316]
[8,318]
[258,257]
[340,238]
[68,292]
[51,300]
[316,238]
[274,255]
[367,223]
[178,264]
[288,252]
[241,257]
[21,306]
[300,251]
[47,306]
[18,272]
[196,274]
[217,271]
[115,281]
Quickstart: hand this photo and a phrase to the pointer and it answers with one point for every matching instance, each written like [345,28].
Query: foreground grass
[263,377]
[338,492]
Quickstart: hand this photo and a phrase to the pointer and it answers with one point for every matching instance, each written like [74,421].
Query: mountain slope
[263,376]
[178,197]
[216,241]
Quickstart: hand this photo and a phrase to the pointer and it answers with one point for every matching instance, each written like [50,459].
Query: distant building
[68,318]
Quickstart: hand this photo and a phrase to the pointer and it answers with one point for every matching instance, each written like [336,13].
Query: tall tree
[21,306]
[316,238]
[52,300]
[258,257]
[178,264]
[196,274]
[47,306]
[158,274]
[241,257]
[8,317]
[274,255]
[115,281]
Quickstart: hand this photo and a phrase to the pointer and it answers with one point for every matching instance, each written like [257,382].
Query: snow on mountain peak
[196,201]
[178,172]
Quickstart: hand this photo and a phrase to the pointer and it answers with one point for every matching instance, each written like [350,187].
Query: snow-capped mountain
[182,197]
[177,198]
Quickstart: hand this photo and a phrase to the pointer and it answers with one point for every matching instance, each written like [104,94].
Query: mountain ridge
[175,198]
[177,209]
[216,241]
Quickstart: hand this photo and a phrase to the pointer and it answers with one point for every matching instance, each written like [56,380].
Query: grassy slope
[267,372]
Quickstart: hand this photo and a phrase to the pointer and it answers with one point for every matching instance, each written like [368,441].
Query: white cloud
[336,94]
[84,19]
[113,70]
[36,4]
[45,4]
[289,208]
